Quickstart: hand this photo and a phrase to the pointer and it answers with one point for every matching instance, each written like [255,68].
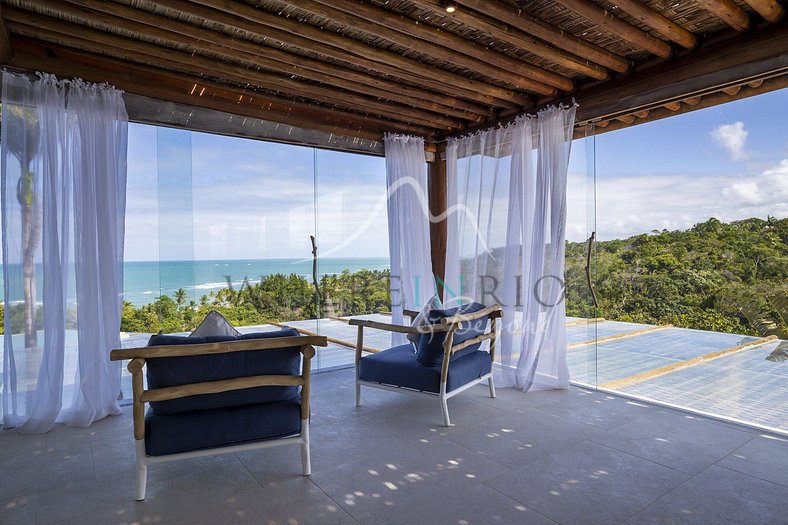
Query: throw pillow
[214,324]
[433,303]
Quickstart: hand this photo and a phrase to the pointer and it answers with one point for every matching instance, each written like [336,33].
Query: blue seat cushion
[171,371]
[398,366]
[430,349]
[188,431]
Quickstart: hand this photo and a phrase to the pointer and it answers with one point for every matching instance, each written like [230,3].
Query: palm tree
[180,296]
[23,140]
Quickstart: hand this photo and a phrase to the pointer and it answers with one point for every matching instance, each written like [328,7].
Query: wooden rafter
[561,40]
[655,20]
[595,14]
[356,69]
[439,44]
[305,36]
[198,92]
[728,12]
[770,10]
[514,36]
[71,35]
[176,33]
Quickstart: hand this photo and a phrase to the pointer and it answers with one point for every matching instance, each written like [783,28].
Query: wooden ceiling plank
[305,36]
[438,43]
[609,22]
[522,40]
[728,12]
[176,88]
[73,35]
[770,10]
[543,31]
[153,25]
[6,51]
[666,27]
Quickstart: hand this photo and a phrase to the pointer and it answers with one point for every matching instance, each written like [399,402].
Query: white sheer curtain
[63,153]
[412,281]
[506,236]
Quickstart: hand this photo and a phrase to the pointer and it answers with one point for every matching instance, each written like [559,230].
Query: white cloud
[629,205]
[732,137]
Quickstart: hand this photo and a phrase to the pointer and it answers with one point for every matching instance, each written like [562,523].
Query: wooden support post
[438,204]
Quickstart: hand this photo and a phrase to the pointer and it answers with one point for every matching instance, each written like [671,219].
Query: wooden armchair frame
[137,357]
[447,324]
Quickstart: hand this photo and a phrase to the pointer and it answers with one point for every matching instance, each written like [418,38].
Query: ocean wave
[214,286]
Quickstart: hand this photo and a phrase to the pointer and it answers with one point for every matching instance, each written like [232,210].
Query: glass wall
[227,224]
[691,262]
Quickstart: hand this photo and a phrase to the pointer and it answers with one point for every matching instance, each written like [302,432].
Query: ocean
[144,281]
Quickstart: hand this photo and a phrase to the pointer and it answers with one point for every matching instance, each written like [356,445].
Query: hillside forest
[725,277]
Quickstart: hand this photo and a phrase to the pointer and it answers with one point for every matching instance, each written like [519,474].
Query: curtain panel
[63,164]
[412,281]
[505,239]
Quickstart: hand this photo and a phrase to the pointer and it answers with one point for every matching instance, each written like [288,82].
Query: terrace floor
[571,456]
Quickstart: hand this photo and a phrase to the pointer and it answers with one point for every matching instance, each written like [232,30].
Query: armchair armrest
[147,352]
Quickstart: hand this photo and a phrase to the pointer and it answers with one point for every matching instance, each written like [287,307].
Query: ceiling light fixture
[450,7]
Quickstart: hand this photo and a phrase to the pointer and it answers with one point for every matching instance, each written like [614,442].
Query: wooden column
[438,203]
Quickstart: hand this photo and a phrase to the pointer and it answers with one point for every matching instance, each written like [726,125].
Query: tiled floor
[572,457]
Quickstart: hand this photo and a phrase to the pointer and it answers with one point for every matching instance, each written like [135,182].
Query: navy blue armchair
[447,360]
[219,394]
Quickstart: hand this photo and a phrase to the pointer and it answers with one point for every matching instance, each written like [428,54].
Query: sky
[255,200]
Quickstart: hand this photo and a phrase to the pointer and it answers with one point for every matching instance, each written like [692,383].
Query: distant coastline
[144,281]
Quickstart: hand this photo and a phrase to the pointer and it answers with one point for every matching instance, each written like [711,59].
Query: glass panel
[353,264]
[581,225]
[693,260]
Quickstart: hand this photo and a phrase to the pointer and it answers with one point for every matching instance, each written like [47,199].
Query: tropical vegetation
[714,276]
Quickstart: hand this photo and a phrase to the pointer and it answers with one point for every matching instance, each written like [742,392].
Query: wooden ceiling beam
[6,51]
[770,10]
[199,92]
[512,35]
[72,35]
[707,101]
[658,22]
[609,22]
[102,13]
[333,45]
[561,40]
[713,66]
[424,38]
[728,12]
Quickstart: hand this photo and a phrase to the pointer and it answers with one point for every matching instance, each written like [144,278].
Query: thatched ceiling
[361,68]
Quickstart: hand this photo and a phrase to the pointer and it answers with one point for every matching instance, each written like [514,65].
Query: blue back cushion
[430,350]
[171,371]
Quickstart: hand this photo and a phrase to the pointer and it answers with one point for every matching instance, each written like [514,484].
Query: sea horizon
[145,281]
